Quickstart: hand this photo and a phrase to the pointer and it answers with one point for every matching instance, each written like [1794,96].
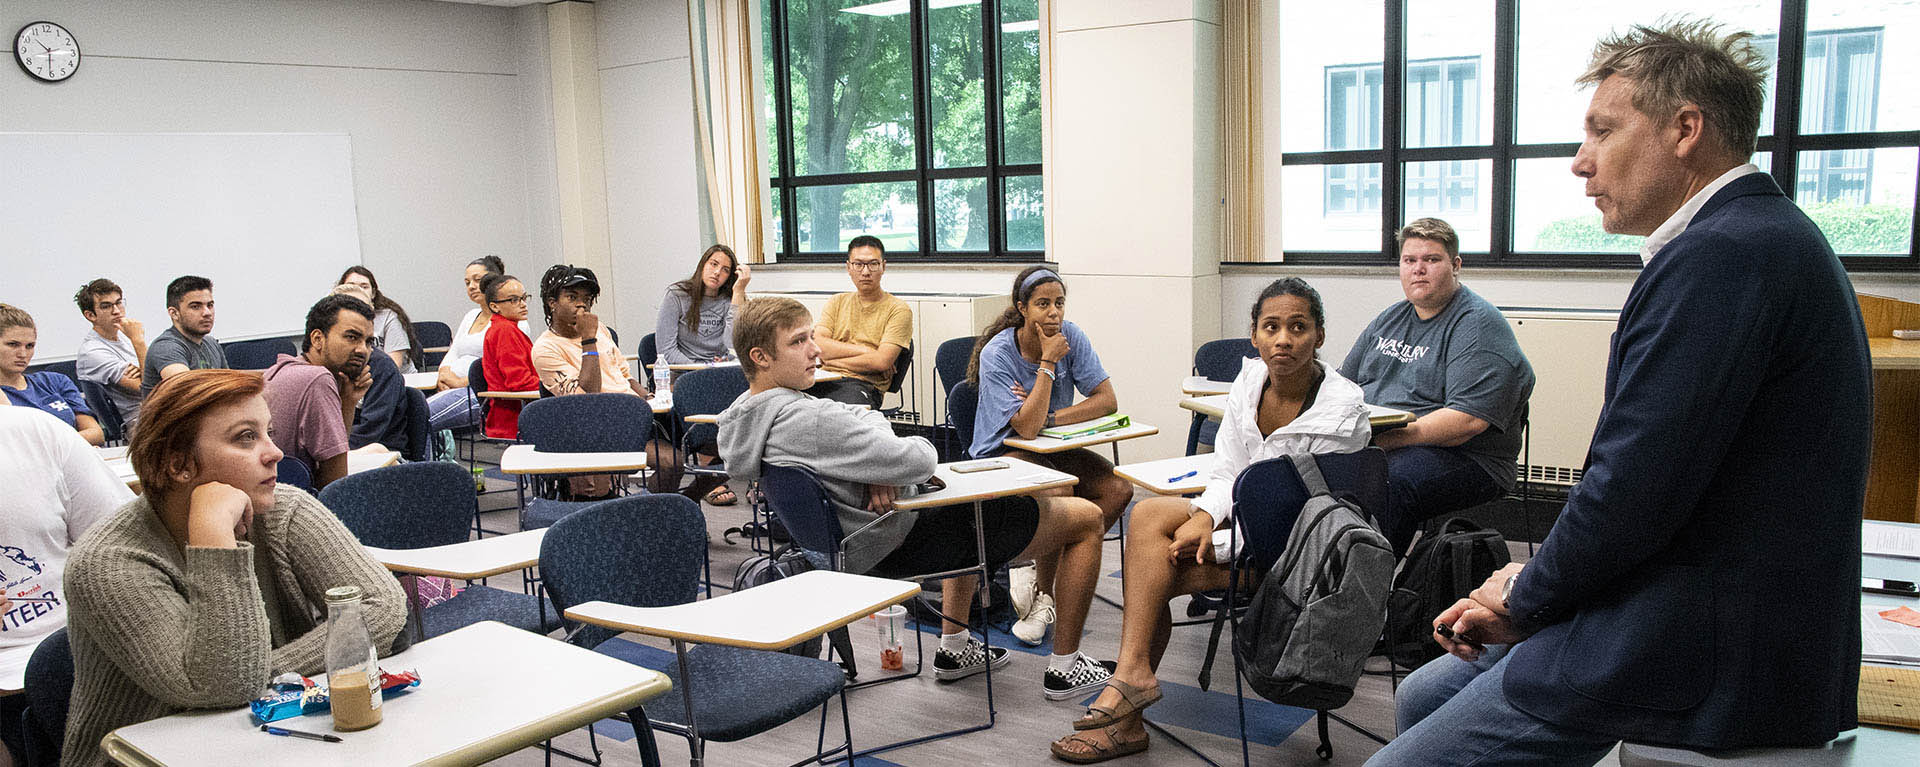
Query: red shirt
[506,359]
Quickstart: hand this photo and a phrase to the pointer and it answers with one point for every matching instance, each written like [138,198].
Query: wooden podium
[1893,475]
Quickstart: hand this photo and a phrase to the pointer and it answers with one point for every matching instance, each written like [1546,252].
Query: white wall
[437,97]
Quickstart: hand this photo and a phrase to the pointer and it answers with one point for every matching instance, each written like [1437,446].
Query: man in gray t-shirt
[1448,356]
[187,345]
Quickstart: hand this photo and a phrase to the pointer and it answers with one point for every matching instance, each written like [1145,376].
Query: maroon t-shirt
[305,403]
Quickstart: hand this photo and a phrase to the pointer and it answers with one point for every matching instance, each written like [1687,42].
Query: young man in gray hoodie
[862,465]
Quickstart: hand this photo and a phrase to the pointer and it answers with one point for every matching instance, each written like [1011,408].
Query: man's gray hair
[1684,61]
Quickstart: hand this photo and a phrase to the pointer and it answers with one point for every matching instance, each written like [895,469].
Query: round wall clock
[47,51]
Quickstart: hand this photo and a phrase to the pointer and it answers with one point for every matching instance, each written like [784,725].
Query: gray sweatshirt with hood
[846,447]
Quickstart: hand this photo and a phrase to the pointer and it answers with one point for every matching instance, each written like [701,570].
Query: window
[1467,110]
[915,121]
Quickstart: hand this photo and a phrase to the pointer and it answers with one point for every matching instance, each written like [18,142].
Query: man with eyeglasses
[114,350]
[862,333]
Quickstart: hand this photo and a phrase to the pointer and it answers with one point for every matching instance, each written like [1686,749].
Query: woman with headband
[1027,365]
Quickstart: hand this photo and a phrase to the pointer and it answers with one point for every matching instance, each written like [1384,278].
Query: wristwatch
[1049,419]
[1506,590]
[589,341]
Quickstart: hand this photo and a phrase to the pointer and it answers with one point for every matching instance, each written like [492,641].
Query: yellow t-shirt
[851,320]
[557,361]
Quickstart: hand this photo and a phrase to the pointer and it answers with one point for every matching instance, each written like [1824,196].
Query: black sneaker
[949,666]
[1085,676]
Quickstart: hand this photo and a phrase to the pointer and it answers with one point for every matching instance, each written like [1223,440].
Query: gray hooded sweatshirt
[846,447]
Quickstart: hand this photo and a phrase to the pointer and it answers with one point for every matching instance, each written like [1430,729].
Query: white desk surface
[13,672]
[427,381]
[520,395]
[1204,385]
[486,691]
[768,617]
[1045,445]
[1153,475]
[1019,478]
[523,459]
[358,462]
[1215,405]
[703,418]
[467,560]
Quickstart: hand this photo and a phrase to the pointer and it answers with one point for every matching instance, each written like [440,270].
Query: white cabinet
[937,317]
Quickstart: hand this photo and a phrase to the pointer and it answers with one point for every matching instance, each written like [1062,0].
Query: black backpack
[1442,569]
[790,561]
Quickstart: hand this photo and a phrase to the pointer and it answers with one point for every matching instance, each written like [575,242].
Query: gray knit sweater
[157,628]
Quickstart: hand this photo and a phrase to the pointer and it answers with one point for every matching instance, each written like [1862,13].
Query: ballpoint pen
[271,730]
[1171,480]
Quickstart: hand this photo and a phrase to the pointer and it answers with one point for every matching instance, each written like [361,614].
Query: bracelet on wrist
[1049,373]
[589,353]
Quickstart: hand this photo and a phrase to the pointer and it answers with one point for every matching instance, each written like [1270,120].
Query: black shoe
[949,666]
[1086,676]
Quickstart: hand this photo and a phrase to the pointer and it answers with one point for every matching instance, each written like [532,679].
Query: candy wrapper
[291,695]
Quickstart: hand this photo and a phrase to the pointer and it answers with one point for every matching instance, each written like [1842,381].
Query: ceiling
[503,3]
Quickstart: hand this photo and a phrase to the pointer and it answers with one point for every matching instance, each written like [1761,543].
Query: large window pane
[1325,52]
[852,79]
[954,54]
[1026,229]
[1556,40]
[1020,82]
[1553,214]
[769,87]
[960,214]
[1848,83]
[1454,191]
[1862,198]
[1335,223]
[830,216]
[1449,72]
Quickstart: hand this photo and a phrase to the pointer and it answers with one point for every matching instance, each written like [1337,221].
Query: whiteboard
[269,217]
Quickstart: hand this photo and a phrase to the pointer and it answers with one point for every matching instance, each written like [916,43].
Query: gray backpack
[1318,613]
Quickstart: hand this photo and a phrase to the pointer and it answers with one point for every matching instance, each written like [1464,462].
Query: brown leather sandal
[1133,700]
[1093,750]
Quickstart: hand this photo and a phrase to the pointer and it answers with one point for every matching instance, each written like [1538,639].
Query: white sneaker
[1020,582]
[1031,629]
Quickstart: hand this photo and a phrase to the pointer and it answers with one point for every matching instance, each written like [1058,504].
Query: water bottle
[353,670]
[662,379]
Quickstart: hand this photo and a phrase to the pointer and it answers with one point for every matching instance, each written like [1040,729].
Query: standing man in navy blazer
[1701,588]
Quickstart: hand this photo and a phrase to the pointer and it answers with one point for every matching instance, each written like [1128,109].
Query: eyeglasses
[866,266]
[104,305]
[519,299]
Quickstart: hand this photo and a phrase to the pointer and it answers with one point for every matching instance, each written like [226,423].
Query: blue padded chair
[1217,361]
[420,505]
[49,683]
[295,472]
[950,361]
[705,392]
[419,431]
[433,335]
[259,353]
[962,401]
[1267,497]
[901,364]
[579,423]
[104,411]
[648,352]
[67,368]
[645,551]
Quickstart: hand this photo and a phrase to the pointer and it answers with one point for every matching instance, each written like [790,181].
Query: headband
[1037,277]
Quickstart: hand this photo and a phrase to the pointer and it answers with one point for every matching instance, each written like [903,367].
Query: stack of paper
[1890,540]
[1084,428]
[1883,641]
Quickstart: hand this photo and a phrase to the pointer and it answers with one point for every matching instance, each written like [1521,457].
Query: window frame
[784,185]
[1783,147]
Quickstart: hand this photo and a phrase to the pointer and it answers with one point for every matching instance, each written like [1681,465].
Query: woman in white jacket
[1283,403]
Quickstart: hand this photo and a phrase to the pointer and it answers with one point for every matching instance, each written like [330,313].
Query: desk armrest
[770,617]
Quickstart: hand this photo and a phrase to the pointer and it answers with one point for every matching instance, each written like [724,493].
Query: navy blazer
[1702,586]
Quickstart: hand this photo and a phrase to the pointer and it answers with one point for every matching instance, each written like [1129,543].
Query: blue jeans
[453,409]
[1453,712]
[1424,482]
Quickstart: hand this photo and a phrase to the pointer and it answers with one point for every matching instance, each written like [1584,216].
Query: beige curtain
[725,61]
[1240,133]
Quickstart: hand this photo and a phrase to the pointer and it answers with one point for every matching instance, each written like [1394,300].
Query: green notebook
[1085,428]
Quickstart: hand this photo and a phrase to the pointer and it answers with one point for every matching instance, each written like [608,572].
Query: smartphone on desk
[1888,586]
[984,464]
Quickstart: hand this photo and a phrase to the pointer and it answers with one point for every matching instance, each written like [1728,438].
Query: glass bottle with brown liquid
[353,671]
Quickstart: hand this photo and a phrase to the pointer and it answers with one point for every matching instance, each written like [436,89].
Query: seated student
[453,406]
[113,353]
[1028,364]
[861,334]
[197,593]
[313,397]
[863,465]
[574,336]
[46,390]
[696,316]
[507,357]
[382,418]
[1448,356]
[186,345]
[392,330]
[1283,403]
[56,489]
